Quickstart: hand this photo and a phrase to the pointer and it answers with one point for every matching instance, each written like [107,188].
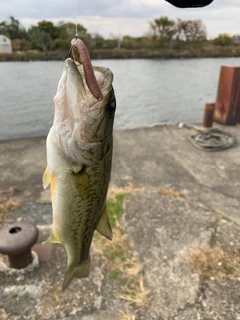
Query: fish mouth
[76,78]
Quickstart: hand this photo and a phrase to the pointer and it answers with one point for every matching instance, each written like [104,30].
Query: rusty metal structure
[16,241]
[227,106]
[208,115]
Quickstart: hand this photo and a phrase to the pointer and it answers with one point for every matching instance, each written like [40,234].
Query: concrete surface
[162,228]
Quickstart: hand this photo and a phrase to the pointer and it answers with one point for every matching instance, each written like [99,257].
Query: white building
[5,44]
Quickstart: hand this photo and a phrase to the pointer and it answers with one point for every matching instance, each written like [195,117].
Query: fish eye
[111,107]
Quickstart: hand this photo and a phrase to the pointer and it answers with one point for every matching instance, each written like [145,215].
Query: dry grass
[123,267]
[129,189]
[121,264]
[127,316]
[215,263]
[3,315]
[171,193]
[8,203]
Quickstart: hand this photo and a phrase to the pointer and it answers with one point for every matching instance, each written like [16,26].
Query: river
[147,92]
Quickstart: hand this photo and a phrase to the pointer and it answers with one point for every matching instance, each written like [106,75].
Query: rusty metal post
[227,107]
[16,241]
[208,115]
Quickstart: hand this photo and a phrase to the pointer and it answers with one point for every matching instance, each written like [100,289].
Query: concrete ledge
[188,199]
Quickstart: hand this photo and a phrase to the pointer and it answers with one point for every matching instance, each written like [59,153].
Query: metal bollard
[227,107]
[16,241]
[208,115]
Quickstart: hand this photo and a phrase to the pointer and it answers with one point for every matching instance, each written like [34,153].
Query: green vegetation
[114,273]
[115,206]
[166,38]
[121,265]
[224,40]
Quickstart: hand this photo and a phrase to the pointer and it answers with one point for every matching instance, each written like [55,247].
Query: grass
[115,206]
[221,216]
[123,268]
[171,193]
[215,263]
[127,316]
[8,203]
[3,315]
[114,273]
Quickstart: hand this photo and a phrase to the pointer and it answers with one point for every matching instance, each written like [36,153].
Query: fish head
[80,119]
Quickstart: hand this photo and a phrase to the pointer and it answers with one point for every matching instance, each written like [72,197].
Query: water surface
[147,92]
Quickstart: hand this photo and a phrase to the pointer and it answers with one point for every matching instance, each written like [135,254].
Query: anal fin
[103,225]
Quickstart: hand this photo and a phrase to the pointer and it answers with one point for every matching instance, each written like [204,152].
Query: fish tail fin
[76,272]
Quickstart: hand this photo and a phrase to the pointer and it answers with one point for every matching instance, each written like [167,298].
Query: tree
[224,40]
[12,29]
[68,29]
[99,41]
[39,39]
[21,45]
[190,30]
[162,29]
[129,42]
[48,27]
[4,28]
[67,33]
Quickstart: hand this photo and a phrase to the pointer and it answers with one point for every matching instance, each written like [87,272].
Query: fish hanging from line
[79,158]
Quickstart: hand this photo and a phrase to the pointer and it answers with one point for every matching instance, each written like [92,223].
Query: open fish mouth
[81,110]
[76,80]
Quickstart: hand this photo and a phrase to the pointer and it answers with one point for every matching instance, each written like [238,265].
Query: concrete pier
[185,199]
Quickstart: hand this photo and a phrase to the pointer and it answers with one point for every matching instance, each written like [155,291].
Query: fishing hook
[71,48]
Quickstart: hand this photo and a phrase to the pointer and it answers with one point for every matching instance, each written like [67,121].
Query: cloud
[123,17]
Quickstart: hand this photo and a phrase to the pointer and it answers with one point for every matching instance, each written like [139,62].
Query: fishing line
[76,32]
[70,54]
[119,25]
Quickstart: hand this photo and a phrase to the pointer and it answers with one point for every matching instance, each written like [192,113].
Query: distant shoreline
[204,52]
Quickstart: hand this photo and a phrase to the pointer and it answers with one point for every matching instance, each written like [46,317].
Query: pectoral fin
[46,179]
[103,225]
[52,238]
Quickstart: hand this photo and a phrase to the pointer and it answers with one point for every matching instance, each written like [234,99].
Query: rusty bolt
[16,241]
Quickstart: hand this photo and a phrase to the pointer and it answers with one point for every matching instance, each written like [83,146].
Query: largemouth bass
[79,157]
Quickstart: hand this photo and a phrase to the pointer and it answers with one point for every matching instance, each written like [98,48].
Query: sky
[122,17]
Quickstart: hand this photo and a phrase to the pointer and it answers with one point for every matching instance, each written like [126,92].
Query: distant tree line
[45,36]
[163,33]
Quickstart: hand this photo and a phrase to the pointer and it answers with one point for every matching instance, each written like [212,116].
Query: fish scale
[79,157]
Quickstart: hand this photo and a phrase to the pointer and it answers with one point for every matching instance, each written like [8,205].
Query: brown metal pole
[19,261]
[208,115]
[227,110]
